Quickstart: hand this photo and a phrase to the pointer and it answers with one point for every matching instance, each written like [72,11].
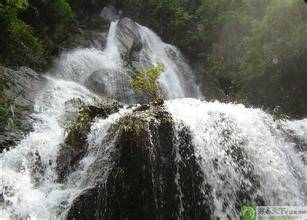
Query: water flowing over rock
[107,81]
[184,159]
[129,47]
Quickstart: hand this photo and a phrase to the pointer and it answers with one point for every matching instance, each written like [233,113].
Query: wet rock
[75,146]
[104,111]
[68,159]
[143,107]
[209,86]
[143,182]
[114,83]
[129,40]
[23,84]
[38,168]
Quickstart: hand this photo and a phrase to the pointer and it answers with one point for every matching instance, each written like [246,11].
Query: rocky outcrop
[75,145]
[146,180]
[23,85]
[154,172]
[88,32]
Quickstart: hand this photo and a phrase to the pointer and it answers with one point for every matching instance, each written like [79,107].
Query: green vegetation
[7,108]
[132,127]
[256,49]
[76,129]
[147,82]
[31,31]
[7,114]
[277,114]
[79,124]
[273,66]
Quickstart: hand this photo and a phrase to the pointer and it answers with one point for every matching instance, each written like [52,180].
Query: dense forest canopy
[255,49]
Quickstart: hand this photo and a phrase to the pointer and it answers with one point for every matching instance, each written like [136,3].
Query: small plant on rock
[80,122]
[7,113]
[147,82]
[277,114]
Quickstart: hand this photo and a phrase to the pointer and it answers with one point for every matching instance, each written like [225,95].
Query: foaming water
[297,128]
[232,142]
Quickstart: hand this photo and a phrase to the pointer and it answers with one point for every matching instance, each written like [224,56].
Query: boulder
[129,40]
[209,86]
[113,83]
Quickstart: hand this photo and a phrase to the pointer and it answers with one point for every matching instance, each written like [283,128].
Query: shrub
[147,82]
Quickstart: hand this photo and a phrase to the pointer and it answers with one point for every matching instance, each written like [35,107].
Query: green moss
[132,127]
[77,129]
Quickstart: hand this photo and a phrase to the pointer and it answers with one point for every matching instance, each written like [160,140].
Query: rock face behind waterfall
[23,85]
[129,40]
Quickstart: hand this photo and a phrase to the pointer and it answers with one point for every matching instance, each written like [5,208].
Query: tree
[30,30]
[18,45]
[273,67]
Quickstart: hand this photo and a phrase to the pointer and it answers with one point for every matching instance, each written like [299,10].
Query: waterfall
[91,66]
[236,155]
[234,142]
[177,79]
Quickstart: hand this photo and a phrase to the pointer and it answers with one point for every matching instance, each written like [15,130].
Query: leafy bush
[30,31]
[132,127]
[147,82]
[18,45]
[277,114]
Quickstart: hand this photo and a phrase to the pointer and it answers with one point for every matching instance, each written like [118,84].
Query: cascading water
[178,77]
[82,65]
[234,142]
[27,192]
[243,154]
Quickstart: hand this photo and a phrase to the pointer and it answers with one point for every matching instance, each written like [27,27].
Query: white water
[279,166]
[177,79]
[80,63]
[27,198]
[34,195]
